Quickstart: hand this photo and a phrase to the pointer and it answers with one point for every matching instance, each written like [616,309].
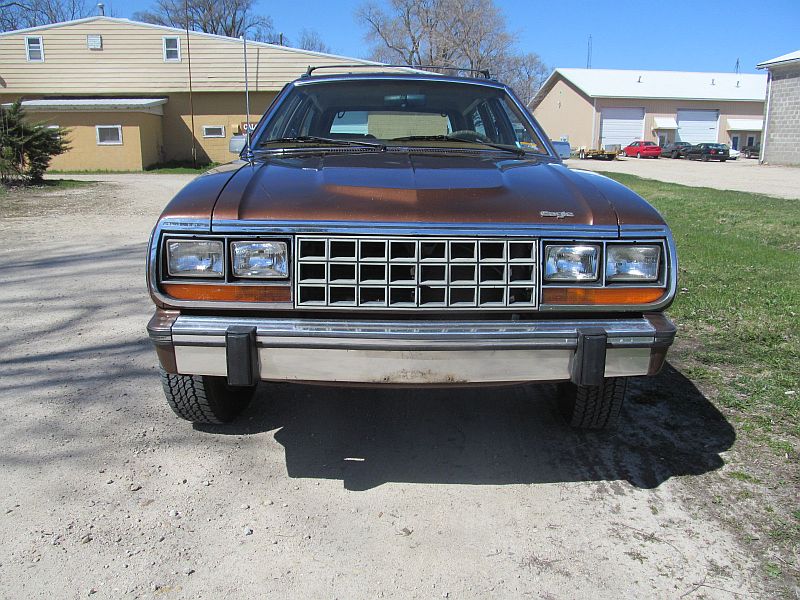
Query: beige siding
[564,111]
[132,61]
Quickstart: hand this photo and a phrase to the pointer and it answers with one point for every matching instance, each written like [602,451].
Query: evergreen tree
[26,147]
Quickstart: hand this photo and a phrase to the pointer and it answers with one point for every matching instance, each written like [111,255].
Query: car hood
[394,187]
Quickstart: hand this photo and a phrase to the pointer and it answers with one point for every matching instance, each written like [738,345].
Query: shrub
[26,147]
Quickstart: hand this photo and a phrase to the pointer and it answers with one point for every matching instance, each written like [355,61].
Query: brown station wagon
[407,230]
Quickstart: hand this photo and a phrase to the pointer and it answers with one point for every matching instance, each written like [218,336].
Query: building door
[698,126]
[735,142]
[621,126]
[751,140]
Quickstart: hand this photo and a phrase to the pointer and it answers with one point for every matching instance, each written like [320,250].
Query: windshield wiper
[314,139]
[451,138]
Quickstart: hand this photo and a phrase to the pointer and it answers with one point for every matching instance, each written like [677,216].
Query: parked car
[752,151]
[706,152]
[358,242]
[675,149]
[733,154]
[642,149]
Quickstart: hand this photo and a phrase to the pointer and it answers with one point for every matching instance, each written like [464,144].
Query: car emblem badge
[561,214]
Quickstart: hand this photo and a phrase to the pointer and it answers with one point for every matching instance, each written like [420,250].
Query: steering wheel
[470,135]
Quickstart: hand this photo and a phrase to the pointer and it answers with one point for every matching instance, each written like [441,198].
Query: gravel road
[316,492]
[742,174]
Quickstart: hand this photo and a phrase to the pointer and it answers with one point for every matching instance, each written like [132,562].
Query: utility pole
[736,68]
[589,53]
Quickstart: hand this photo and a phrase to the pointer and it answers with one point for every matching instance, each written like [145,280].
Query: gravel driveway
[316,492]
[744,175]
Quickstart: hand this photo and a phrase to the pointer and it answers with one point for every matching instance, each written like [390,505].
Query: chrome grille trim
[417,273]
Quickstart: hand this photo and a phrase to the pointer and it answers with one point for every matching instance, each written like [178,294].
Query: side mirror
[237,144]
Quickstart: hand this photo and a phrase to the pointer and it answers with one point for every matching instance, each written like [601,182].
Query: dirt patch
[321,492]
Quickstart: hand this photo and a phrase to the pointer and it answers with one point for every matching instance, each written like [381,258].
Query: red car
[642,149]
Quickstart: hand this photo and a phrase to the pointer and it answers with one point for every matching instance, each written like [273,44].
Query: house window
[109,135]
[172,49]
[213,131]
[34,48]
[751,140]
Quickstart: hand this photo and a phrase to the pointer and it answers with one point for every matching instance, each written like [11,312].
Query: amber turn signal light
[600,296]
[228,293]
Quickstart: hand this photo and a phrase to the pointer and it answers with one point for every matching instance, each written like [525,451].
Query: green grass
[739,299]
[46,184]
[169,168]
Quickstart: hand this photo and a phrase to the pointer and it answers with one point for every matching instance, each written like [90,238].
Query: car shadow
[486,436]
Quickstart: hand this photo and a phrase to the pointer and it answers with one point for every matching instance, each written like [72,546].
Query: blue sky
[626,34]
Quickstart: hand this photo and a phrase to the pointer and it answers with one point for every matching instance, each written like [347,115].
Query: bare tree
[21,14]
[232,18]
[310,39]
[469,34]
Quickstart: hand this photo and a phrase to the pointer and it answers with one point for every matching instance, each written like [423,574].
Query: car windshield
[404,113]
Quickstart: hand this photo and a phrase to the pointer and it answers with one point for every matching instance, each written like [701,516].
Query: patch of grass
[168,168]
[739,299]
[741,476]
[772,569]
[45,184]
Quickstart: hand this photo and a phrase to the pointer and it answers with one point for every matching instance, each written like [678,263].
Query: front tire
[204,399]
[593,406]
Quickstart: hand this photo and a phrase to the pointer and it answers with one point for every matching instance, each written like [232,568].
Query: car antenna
[249,154]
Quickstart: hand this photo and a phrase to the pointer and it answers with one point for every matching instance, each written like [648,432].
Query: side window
[34,48]
[172,49]
[477,122]
[521,134]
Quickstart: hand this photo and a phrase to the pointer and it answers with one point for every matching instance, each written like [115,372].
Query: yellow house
[134,94]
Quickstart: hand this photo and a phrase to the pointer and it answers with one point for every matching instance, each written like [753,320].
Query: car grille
[415,273]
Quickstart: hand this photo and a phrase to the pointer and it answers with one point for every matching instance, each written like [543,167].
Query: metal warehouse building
[781,144]
[134,94]
[594,108]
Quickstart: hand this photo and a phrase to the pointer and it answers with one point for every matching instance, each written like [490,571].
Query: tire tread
[192,397]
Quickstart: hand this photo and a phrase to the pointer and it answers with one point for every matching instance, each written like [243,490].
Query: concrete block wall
[783,121]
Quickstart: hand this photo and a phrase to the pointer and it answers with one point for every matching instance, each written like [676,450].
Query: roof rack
[310,70]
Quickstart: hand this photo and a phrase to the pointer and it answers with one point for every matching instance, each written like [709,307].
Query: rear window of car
[717,146]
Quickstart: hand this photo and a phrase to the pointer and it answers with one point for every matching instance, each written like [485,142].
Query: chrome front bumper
[246,349]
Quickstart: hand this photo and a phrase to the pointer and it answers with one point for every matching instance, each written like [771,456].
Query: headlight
[194,258]
[262,260]
[632,263]
[570,263]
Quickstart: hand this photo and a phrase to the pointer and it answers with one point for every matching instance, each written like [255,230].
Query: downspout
[594,122]
[763,152]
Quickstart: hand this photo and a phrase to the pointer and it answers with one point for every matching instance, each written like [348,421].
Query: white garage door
[697,126]
[621,126]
